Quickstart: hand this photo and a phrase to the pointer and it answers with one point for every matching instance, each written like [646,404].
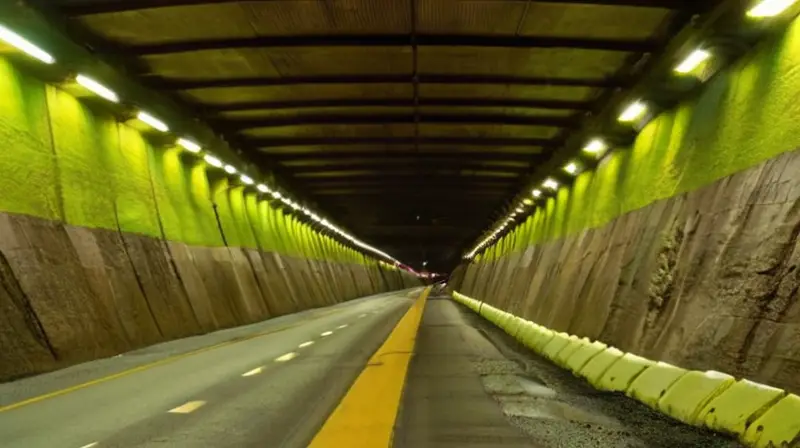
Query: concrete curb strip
[761,416]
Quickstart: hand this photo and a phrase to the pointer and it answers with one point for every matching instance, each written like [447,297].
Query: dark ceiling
[410,122]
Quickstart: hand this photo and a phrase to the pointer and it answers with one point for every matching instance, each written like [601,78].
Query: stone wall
[683,247]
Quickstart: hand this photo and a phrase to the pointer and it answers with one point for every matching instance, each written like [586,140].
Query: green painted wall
[65,161]
[745,115]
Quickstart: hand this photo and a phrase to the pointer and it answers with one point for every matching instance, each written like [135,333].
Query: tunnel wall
[108,243]
[684,247]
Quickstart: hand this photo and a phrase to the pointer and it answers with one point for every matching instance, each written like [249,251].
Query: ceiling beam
[326,157]
[91,7]
[403,102]
[333,119]
[273,142]
[420,165]
[434,171]
[393,162]
[158,82]
[393,40]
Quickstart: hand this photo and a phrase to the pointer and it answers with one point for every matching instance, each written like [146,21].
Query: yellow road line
[160,362]
[187,408]
[365,417]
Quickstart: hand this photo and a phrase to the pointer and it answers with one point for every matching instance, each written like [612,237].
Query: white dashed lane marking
[306,344]
[188,407]
[327,333]
[287,357]
[255,371]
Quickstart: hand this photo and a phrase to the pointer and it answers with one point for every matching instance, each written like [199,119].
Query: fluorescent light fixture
[692,61]
[19,42]
[152,121]
[247,180]
[263,188]
[633,112]
[571,168]
[550,183]
[213,161]
[520,210]
[230,169]
[99,89]
[276,195]
[536,192]
[770,8]
[189,145]
[527,201]
[595,146]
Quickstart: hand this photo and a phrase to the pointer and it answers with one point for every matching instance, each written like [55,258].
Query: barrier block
[738,406]
[486,311]
[594,369]
[556,344]
[778,427]
[527,333]
[574,345]
[691,393]
[542,338]
[513,325]
[654,382]
[622,373]
[583,354]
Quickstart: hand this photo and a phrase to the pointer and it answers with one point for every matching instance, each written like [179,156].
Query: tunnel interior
[616,171]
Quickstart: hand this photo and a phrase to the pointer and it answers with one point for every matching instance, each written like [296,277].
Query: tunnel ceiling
[412,123]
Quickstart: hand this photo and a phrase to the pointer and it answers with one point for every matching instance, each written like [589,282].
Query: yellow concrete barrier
[778,427]
[738,406]
[762,416]
[653,383]
[545,336]
[689,395]
[559,341]
[583,355]
[575,343]
[622,373]
[594,369]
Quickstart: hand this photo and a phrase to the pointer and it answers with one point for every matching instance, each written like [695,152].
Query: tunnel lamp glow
[769,8]
[633,112]
[595,146]
[276,195]
[550,184]
[571,168]
[527,201]
[97,88]
[22,44]
[230,169]
[213,161]
[247,180]
[536,193]
[692,61]
[152,121]
[189,145]
[519,210]
[263,188]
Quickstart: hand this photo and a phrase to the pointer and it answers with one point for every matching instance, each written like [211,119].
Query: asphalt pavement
[264,385]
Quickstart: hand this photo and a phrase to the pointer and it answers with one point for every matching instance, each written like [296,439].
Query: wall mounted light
[213,161]
[536,192]
[247,180]
[571,168]
[595,146]
[230,169]
[22,44]
[152,121]
[189,145]
[769,8]
[633,112]
[97,88]
[550,183]
[263,188]
[692,61]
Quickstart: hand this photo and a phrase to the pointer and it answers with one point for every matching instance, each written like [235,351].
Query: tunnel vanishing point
[619,171]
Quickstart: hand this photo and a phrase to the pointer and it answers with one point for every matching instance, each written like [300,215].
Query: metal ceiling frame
[239,124]
[575,105]
[274,142]
[92,7]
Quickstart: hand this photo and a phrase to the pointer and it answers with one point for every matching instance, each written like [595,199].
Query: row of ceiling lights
[632,115]
[102,91]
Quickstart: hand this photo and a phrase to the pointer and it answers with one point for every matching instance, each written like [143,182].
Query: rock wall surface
[684,247]
[109,242]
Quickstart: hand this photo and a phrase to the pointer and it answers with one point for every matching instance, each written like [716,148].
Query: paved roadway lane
[269,384]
